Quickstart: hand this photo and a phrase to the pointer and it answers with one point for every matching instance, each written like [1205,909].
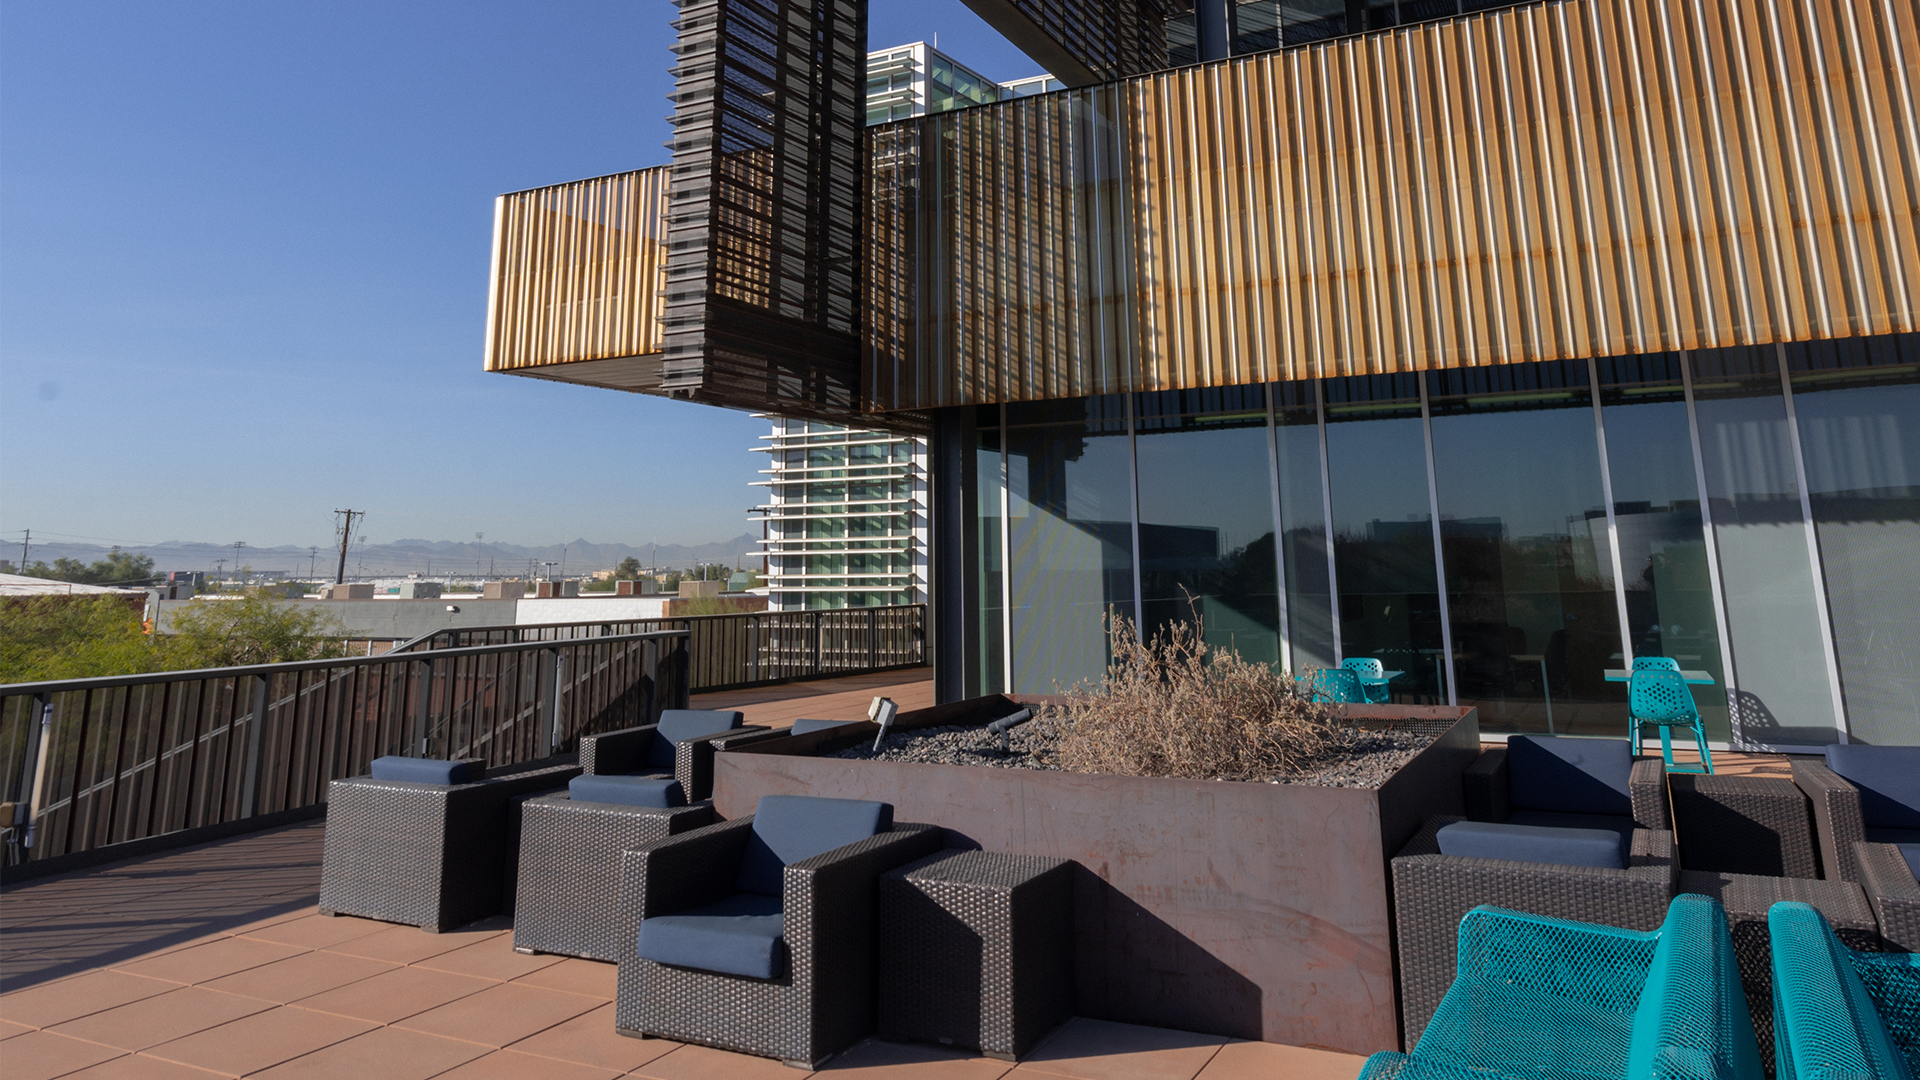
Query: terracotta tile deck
[212,961]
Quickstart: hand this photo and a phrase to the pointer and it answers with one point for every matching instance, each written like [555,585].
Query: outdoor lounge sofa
[1592,844]
[1862,792]
[424,842]
[1888,879]
[679,746]
[1539,997]
[758,934]
[1837,1012]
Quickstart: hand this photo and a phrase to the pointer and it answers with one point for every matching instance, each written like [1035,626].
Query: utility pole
[237,545]
[313,557]
[24,545]
[346,535]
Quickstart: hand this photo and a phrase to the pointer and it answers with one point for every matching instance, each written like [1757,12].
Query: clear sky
[243,270]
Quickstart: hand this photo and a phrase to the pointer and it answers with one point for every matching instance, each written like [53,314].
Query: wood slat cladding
[577,275]
[1574,178]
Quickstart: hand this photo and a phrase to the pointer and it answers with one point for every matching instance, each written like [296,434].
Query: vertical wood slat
[1568,179]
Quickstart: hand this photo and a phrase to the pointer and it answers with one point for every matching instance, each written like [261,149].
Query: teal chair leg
[1699,742]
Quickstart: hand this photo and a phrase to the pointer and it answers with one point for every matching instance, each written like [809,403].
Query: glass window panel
[1383,529]
[1070,510]
[1773,620]
[1206,517]
[989,572]
[1303,522]
[1858,405]
[1529,566]
[1656,509]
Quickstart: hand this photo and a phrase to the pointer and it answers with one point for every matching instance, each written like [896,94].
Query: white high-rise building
[846,518]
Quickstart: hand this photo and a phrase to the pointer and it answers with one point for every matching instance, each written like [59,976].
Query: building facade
[1502,342]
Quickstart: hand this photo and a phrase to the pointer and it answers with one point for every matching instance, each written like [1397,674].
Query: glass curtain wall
[1656,509]
[1206,517]
[1070,537]
[1300,469]
[1382,526]
[990,565]
[1857,403]
[1783,690]
[1523,528]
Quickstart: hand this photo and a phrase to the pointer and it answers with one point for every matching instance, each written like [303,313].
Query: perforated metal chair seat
[1336,686]
[1367,667]
[1657,694]
[1837,1012]
[1548,998]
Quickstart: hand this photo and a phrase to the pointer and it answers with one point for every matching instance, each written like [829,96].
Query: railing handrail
[411,643]
[106,682]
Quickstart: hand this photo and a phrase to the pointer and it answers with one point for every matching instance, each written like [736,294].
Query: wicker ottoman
[976,950]
[569,892]
[1747,898]
[1743,825]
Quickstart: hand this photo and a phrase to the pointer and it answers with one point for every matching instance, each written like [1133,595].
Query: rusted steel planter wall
[1258,911]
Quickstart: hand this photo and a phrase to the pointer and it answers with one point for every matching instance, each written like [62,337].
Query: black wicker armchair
[679,746]
[1887,875]
[1602,789]
[758,935]
[432,855]
[1860,792]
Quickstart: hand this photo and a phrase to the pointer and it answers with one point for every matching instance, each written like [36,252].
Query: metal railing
[742,649]
[90,762]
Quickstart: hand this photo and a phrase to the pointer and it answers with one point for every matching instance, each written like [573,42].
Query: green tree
[628,570]
[74,637]
[118,568]
[251,630]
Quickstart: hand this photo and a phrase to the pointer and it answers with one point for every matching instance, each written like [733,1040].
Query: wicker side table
[1747,897]
[976,950]
[1759,825]
[569,883]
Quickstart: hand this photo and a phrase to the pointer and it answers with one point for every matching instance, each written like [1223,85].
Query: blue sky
[243,258]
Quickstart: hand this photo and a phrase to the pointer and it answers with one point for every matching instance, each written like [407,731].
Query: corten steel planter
[1258,911]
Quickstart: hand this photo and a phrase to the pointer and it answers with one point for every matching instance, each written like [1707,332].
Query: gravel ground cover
[1358,758]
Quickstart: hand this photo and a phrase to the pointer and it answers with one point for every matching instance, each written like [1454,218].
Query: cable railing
[85,763]
[741,648]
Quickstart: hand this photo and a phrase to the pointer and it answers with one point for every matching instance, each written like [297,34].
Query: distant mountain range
[468,558]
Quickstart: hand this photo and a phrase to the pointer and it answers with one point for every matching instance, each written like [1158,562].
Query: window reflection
[1303,523]
[1523,526]
[1206,517]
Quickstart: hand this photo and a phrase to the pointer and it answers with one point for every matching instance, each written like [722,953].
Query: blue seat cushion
[1888,778]
[679,725]
[789,828]
[1568,775]
[740,935]
[661,791]
[1549,820]
[414,770]
[1601,848]
[801,727]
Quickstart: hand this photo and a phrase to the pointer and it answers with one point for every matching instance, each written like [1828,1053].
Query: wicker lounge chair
[426,843]
[570,848]
[679,746]
[1546,998]
[1743,825]
[1887,875]
[1861,793]
[1840,1013]
[758,934]
[1433,891]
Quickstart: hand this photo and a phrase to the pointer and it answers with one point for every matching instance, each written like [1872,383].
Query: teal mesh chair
[1837,1012]
[1549,998]
[1655,663]
[1366,667]
[1658,695]
[1336,686]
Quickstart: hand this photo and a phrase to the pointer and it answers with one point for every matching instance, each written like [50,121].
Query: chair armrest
[613,753]
[1647,788]
[693,761]
[1484,787]
[1892,892]
[1837,824]
[679,873]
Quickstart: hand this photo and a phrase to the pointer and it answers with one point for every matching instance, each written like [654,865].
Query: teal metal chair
[1837,1012]
[1655,663]
[1658,695]
[1548,999]
[1367,667]
[1336,686]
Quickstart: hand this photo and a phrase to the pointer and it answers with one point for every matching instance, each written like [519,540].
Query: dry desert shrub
[1175,706]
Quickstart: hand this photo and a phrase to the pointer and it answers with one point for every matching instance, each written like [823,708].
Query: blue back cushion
[679,725]
[789,828]
[740,935]
[414,770]
[801,727]
[1888,778]
[627,790]
[1569,776]
[1600,848]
